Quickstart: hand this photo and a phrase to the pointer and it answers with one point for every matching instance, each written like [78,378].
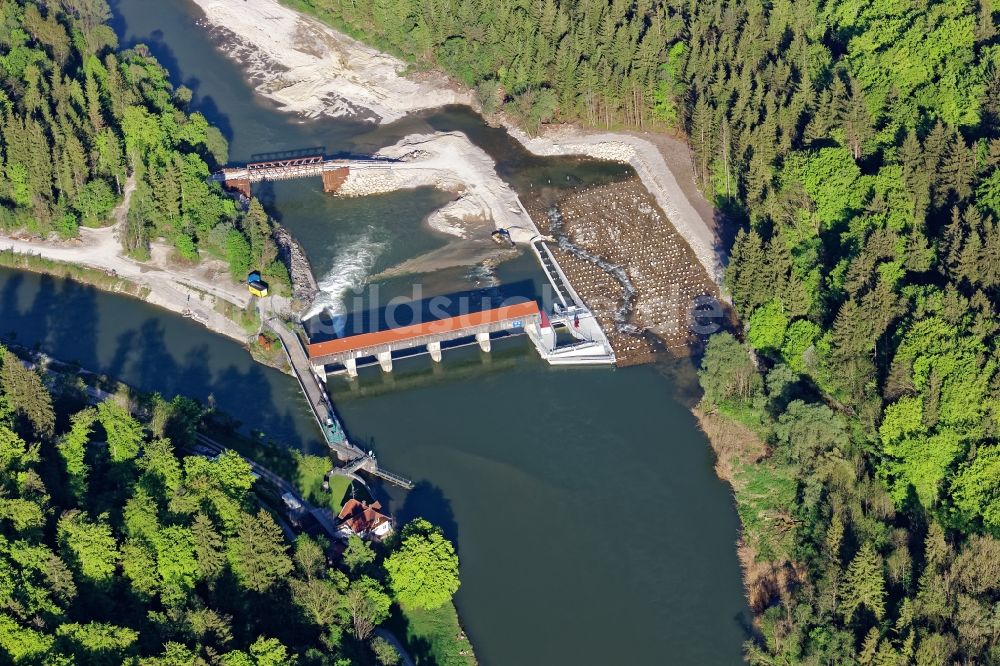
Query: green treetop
[424,571]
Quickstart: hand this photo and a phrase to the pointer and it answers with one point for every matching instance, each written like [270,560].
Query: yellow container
[258,289]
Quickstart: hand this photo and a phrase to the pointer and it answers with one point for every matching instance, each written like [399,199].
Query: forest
[542,61]
[854,145]
[83,124]
[116,547]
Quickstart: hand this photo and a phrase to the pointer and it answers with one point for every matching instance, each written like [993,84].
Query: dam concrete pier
[322,409]
[430,335]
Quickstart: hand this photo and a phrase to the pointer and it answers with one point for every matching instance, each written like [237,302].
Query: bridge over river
[322,409]
[297,164]
[587,344]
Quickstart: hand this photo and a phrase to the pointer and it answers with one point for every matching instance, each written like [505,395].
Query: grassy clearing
[339,485]
[312,471]
[433,638]
[247,317]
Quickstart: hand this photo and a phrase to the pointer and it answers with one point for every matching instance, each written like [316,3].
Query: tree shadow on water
[37,318]
[61,320]
[196,368]
[73,325]
[124,346]
[250,397]
[744,620]
[154,353]
[10,315]
[429,502]
[157,45]
[156,369]
[245,395]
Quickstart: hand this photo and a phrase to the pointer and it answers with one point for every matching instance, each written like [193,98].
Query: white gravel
[311,69]
[448,161]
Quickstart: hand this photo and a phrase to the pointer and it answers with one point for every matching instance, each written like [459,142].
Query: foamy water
[351,269]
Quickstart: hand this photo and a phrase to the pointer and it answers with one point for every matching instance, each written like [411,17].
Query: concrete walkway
[322,407]
[319,401]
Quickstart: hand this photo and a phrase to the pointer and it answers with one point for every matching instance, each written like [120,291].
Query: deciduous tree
[368,605]
[424,571]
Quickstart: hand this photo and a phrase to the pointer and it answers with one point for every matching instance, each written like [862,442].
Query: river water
[589,522]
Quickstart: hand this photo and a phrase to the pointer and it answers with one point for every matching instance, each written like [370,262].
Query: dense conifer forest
[119,547]
[81,123]
[601,62]
[855,145]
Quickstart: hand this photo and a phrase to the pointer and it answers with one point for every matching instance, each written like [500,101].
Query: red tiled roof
[361,517]
[436,327]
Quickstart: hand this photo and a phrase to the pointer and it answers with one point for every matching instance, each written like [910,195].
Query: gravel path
[179,289]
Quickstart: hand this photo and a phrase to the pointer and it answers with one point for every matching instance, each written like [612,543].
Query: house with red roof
[364,520]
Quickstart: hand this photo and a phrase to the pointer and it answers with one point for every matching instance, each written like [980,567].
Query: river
[590,525]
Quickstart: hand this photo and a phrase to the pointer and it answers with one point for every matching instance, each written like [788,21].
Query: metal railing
[393,478]
[335,437]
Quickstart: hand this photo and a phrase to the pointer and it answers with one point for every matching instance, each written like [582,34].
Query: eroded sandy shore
[311,69]
[448,161]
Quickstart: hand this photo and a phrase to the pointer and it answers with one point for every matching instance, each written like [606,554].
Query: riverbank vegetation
[858,144]
[607,64]
[80,119]
[117,548]
[82,274]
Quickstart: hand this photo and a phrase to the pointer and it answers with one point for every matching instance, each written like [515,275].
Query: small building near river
[364,520]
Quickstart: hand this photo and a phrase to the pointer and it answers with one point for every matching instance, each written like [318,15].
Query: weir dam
[588,344]
[563,330]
